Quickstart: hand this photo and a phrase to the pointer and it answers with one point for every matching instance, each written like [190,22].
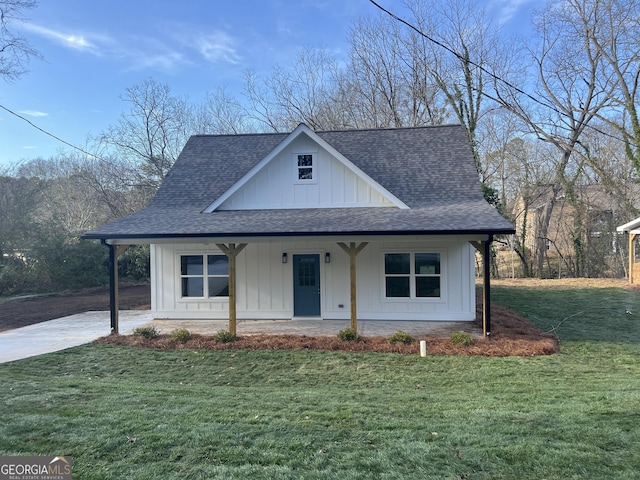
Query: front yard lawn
[146,414]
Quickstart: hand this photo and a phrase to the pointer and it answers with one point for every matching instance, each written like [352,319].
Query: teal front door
[306,285]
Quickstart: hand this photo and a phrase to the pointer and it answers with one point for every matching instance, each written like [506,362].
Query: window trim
[204,276]
[413,276]
[313,167]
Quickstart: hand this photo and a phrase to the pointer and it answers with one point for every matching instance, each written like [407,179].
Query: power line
[491,74]
[49,133]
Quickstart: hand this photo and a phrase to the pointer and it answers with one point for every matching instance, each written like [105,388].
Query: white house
[362,224]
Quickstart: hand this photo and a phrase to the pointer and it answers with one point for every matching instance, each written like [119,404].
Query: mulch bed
[511,336]
[496,347]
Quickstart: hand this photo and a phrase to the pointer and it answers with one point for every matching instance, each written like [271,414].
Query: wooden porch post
[352,250]
[232,252]
[632,255]
[114,302]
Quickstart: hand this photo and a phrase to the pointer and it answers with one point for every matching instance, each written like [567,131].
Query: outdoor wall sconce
[327,257]
[284,257]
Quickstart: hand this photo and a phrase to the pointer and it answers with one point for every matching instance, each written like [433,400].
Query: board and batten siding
[265,284]
[276,185]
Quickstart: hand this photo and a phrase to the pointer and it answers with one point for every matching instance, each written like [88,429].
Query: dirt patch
[561,283]
[27,311]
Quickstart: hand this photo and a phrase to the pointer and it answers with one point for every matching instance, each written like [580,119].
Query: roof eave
[359,233]
[629,226]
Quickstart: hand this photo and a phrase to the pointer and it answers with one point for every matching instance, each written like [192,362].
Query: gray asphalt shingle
[431,169]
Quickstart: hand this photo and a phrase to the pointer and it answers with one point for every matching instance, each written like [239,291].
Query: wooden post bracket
[353,250]
[232,251]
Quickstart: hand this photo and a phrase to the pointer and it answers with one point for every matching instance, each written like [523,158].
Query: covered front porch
[336,262]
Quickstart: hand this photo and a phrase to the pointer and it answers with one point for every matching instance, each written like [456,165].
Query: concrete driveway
[66,332]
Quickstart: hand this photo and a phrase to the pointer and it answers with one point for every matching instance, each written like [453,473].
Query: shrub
[146,332]
[16,276]
[461,338]
[348,335]
[68,263]
[134,264]
[180,335]
[224,336]
[401,337]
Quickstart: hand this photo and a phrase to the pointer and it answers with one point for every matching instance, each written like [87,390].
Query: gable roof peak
[299,130]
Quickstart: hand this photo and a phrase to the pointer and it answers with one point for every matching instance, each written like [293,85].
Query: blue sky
[93,50]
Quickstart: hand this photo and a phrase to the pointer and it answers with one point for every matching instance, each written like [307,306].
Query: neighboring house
[555,233]
[275,226]
[632,229]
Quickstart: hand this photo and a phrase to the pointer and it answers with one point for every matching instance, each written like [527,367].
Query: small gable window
[305,167]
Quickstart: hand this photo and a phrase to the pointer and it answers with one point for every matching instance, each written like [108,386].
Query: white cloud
[145,52]
[214,46]
[138,52]
[217,47]
[508,8]
[66,39]
[33,113]
[141,52]
[162,61]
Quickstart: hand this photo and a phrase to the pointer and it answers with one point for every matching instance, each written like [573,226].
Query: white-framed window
[304,167]
[196,281]
[413,275]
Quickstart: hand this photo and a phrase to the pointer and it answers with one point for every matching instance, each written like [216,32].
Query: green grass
[318,415]
[608,315]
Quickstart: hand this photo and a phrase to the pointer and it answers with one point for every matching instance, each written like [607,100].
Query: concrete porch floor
[312,327]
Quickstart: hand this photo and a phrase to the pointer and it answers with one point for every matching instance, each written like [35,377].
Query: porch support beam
[632,256]
[114,302]
[232,251]
[486,301]
[353,250]
[484,248]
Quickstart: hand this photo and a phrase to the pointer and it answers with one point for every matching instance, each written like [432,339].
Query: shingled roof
[429,169]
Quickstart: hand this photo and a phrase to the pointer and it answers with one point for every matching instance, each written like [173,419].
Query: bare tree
[376,76]
[152,133]
[221,113]
[67,200]
[384,84]
[573,94]
[300,93]
[15,51]
[460,47]
[613,33]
